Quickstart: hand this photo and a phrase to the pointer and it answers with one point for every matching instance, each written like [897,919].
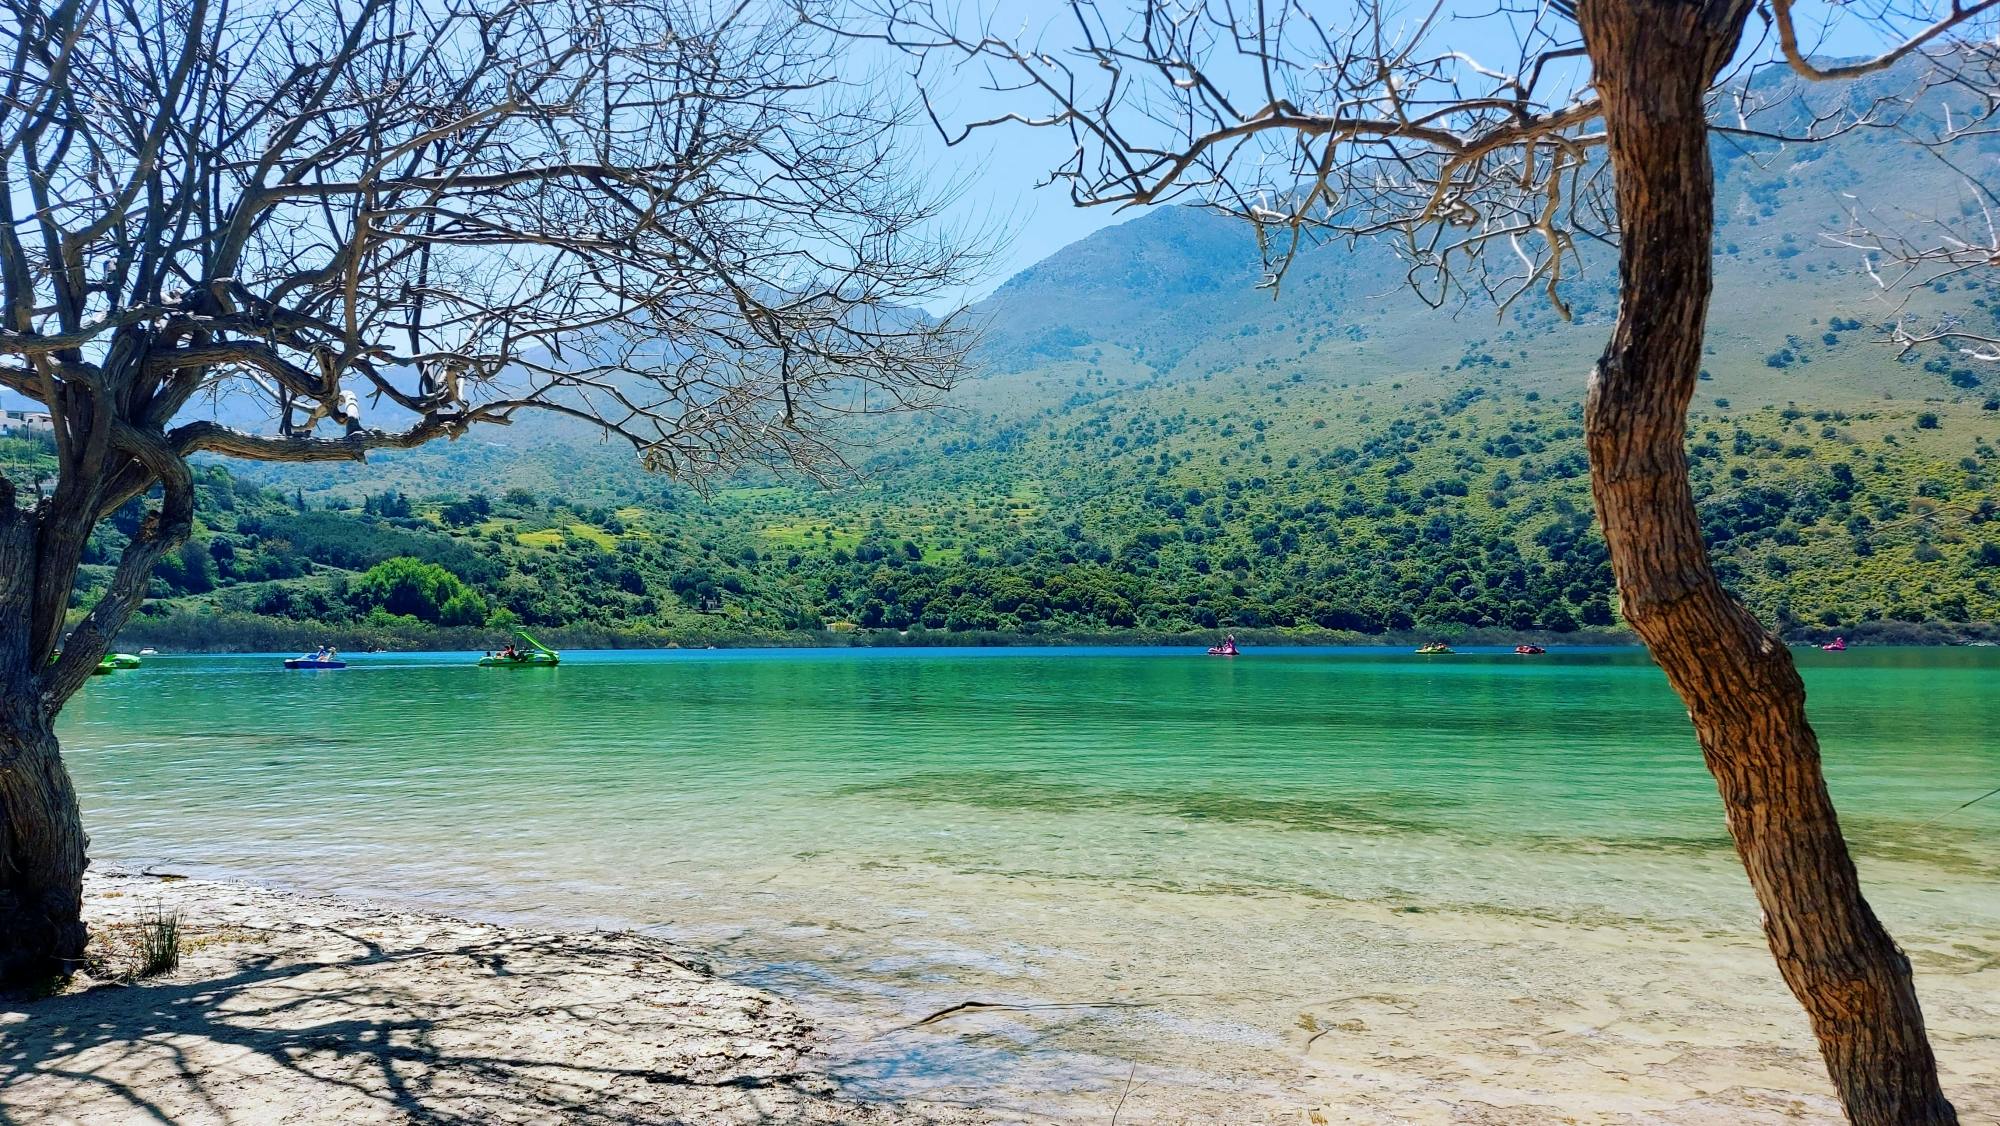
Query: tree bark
[1654,61]
[42,855]
[111,443]
[41,829]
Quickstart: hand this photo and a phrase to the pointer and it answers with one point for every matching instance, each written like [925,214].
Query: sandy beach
[294,1009]
[291,1010]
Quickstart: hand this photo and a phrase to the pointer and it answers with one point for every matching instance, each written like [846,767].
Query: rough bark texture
[111,452]
[41,856]
[1654,61]
[41,830]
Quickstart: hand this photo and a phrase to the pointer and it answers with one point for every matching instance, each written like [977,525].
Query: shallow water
[1213,860]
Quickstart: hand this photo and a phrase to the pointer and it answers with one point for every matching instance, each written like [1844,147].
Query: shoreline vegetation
[245,633]
[289,1008]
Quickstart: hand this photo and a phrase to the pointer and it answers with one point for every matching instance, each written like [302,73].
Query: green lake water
[880,833]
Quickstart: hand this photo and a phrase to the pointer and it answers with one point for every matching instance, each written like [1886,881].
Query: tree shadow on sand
[497,1027]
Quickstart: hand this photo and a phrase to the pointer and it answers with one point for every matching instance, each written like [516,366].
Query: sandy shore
[292,1010]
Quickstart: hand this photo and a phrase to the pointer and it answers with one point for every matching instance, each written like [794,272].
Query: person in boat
[1229,643]
[510,653]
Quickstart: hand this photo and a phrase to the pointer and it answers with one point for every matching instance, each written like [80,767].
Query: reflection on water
[1216,846]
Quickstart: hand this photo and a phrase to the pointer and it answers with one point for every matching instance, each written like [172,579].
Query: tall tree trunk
[41,829]
[41,852]
[1654,61]
[106,459]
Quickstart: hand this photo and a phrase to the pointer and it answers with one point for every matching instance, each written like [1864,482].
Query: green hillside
[1463,513]
[1155,446]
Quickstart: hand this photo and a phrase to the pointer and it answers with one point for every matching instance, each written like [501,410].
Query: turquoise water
[876,831]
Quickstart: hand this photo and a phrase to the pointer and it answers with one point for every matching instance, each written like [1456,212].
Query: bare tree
[1909,252]
[685,225]
[1911,245]
[1490,163]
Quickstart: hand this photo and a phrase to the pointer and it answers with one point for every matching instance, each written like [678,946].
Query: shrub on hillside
[409,587]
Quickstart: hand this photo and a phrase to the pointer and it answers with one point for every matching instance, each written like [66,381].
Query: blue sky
[1002,167]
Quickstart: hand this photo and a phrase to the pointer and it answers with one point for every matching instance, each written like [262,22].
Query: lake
[1213,888]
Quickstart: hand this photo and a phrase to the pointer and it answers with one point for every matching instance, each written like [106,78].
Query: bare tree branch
[686,224]
[1485,173]
[162,532]
[1788,39]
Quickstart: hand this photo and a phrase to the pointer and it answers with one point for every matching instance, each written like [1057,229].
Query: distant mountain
[1146,423]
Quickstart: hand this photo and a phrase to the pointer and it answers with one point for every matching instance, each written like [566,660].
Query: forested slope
[1153,444]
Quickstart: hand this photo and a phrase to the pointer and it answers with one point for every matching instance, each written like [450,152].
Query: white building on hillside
[10,421]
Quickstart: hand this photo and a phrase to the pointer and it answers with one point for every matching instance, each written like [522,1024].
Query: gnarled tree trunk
[107,460]
[42,845]
[1654,61]
[41,829]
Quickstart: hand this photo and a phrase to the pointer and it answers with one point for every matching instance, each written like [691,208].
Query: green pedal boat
[530,655]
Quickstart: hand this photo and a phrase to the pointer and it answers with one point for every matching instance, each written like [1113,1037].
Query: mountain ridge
[1151,444]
